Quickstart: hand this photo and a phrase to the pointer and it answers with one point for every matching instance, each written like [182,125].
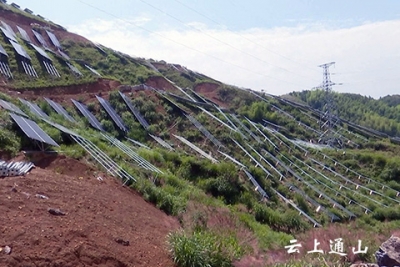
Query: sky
[271,45]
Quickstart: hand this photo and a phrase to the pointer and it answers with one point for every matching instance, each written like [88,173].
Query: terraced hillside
[242,171]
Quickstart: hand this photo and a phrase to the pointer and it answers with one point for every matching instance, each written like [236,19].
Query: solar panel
[59,109]
[40,38]
[93,70]
[91,118]
[41,52]
[8,28]
[54,39]
[64,55]
[204,131]
[34,108]
[11,107]
[114,116]
[8,34]
[32,130]
[3,51]
[60,127]
[135,112]
[162,142]
[201,152]
[24,34]
[20,50]
[74,69]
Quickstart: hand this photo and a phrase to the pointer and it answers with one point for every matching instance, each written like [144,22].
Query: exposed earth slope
[99,216]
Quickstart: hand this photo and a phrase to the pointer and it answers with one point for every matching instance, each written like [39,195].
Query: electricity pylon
[329,117]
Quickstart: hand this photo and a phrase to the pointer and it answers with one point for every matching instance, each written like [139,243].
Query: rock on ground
[388,254]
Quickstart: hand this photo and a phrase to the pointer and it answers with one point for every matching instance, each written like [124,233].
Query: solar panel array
[86,113]
[3,51]
[47,61]
[162,142]
[59,109]
[40,39]
[93,70]
[54,39]
[137,143]
[246,129]
[25,60]
[8,34]
[73,69]
[32,130]
[8,28]
[13,168]
[256,185]
[113,114]
[111,166]
[132,154]
[135,111]
[34,108]
[11,107]
[232,159]
[24,34]
[65,56]
[4,67]
[201,152]
[217,119]
[61,128]
[204,131]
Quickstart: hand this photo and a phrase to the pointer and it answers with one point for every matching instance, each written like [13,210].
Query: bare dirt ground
[99,216]
[209,90]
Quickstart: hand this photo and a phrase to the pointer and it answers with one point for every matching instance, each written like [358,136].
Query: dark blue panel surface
[11,107]
[32,130]
[114,116]
[59,109]
[135,112]
[91,118]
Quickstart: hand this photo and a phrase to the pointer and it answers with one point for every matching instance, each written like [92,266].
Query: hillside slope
[98,214]
[235,174]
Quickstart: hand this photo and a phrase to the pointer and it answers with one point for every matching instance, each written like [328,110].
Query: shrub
[203,248]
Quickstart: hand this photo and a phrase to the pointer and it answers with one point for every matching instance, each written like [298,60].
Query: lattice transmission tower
[329,115]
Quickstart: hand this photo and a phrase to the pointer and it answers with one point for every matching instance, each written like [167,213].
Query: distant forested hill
[382,114]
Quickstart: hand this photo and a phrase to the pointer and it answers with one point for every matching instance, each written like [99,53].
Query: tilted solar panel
[74,69]
[24,34]
[8,34]
[40,38]
[32,130]
[54,39]
[11,107]
[3,51]
[91,118]
[20,50]
[93,70]
[114,116]
[41,52]
[135,112]
[64,55]
[8,28]
[59,109]
[34,108]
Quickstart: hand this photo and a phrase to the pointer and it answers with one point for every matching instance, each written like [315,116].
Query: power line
[243,36]
[186,46]
[218,40]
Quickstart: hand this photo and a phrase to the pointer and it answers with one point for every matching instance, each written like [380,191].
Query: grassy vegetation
[219,189]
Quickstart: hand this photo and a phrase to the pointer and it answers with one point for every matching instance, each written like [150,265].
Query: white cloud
[366,56]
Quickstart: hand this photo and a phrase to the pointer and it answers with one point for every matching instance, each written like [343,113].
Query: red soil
[26,23]
[97,214]
[210,91]
[159,82]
